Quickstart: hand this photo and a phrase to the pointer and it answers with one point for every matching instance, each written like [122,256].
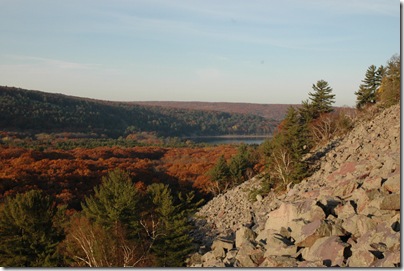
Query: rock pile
[347,214]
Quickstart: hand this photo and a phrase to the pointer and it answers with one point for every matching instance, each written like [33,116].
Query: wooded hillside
[269,111]
[27,110]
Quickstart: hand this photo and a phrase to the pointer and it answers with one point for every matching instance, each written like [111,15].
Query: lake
[213,140]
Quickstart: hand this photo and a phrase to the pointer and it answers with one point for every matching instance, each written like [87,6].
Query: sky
[254,51]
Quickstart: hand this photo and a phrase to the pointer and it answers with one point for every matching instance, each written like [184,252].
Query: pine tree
[306,111]
[220,175]
[239,164]
[28,235]
[321,98]
[173,242]
[367,90]
[287,148]
[114,202]
[114,207]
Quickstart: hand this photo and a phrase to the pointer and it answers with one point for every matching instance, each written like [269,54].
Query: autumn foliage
[70,175]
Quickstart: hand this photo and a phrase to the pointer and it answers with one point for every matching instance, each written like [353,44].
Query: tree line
[26,110]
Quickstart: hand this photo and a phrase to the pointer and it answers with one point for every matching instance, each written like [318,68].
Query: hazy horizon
[259,51]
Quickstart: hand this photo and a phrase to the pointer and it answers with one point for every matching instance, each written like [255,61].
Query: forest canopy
[27,110]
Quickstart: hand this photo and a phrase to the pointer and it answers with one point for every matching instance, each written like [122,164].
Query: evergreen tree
[220,175]
[307,111]
[322,98]
[367,90]
[173,241]
[240,163]
[114,203]
[28,233]
[287,147]
[114,207]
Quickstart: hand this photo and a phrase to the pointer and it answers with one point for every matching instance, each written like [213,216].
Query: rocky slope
[346,214]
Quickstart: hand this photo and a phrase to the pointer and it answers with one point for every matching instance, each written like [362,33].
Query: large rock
[328,249]
[346,210]
[361,257]
[278,245]
[358,225]
[281,217]
[248,255]
[221,247]
[279,261]
[391,202]
[309,210]
[208,257]
[373,182]
[360,198]
[393,184]
[317,229]
[244,234]
[345,188]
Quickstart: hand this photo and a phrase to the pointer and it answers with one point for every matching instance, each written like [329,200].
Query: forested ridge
[269,111]
[22,110]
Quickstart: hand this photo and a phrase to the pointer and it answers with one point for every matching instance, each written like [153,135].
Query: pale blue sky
[258,51]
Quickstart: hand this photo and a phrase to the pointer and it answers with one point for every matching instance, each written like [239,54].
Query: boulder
[281,217]
[358,225]
[244,234]
[360,258]
[208,257]
[391,202]
[346,210]
[278,245]
[389,166]
[360,198]
[345,188]
[248,255]
[220,247]
[315,230]
[392,184]
[279,261]
[329,249]
[374,182]
[309,210]
[295,228]
[264,235]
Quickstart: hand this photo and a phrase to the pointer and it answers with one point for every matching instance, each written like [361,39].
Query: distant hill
[268,111]
[35,112]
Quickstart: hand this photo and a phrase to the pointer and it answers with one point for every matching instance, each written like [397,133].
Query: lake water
[213,140]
